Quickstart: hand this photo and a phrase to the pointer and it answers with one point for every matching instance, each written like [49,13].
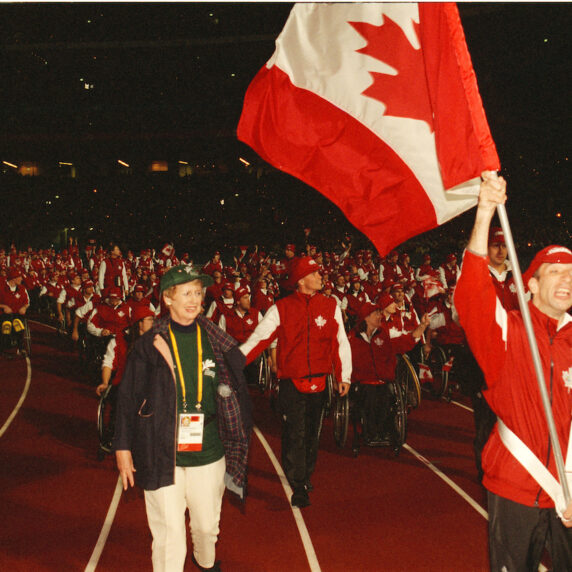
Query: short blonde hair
[170,291]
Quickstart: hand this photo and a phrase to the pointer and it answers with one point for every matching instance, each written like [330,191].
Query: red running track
[374,512]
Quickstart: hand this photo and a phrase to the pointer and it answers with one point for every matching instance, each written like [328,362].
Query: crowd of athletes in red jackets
[102,288]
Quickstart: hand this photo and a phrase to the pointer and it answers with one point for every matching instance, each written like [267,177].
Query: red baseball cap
[553,254]
[496,234]
[384,300]
[301,267]
[240,292]
[114,291]
[14,273]
[366,309]
[140,312]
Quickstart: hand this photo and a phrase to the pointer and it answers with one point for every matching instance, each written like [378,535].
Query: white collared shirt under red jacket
[312,341]
[240,326]
[105,317]
[499,342]
[14,298]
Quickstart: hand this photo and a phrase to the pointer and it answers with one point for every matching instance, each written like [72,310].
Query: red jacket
[114,273]
[506,290]
[15,299]
[311,340]
[373,361]
[240,327]
[499,342]
[262,301]
[355,302]
[105,317]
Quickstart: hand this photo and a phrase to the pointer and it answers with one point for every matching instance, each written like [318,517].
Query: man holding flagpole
[519,465]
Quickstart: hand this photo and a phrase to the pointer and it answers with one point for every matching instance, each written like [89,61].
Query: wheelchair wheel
[105,418]
[264,373]
[62,328]
[27,339]
[436,360]
[398,413]
[329,394]
[96,348]
[341,413]
[407,377]
[82,349]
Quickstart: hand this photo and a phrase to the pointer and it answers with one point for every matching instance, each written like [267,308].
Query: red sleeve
[482,315]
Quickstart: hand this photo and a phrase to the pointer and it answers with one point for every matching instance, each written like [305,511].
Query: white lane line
[457,489]
[21,400]
[462,405]
[100,544]
[42,324]
[105,529]
[454,486]
[306,540]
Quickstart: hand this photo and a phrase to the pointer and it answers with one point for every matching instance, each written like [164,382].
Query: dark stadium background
[84,86]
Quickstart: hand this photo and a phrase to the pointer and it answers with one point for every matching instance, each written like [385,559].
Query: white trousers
[200,489]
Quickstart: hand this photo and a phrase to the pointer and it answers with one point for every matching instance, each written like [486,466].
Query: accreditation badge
[190,432]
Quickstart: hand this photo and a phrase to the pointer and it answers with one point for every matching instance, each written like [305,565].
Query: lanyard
[199,369]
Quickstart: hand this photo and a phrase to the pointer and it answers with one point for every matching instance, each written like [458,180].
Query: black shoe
[300,498]
[214,568]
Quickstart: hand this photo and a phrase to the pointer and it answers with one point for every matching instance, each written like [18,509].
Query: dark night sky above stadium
[101,82]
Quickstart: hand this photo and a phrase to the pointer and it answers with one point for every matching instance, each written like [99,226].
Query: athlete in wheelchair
[108,319]
[377,403]
[112,368]
[14,302]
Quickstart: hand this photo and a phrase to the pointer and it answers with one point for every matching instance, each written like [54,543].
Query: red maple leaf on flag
[404,94]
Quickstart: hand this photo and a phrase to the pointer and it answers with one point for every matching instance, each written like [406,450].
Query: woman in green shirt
[184,423]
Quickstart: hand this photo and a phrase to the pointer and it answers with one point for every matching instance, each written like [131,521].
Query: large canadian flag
[376,106]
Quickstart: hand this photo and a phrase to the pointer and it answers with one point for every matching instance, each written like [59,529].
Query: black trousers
[374,402]
[518,534]
[301,415]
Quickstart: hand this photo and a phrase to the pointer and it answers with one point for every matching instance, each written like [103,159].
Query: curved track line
[100,544]
[42,324]
[453,485]
[462,405]
[306,540]
[21,400]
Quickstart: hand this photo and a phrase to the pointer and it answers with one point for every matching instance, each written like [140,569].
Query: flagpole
[525,312]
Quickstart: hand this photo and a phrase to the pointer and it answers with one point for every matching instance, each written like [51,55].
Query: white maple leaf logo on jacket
[320,321]
[567,377]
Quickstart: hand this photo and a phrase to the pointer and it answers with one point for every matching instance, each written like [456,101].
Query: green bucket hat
[181,275]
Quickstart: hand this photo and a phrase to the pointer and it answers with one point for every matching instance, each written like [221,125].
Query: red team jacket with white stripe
[499,342]
[311,341]
[240,326]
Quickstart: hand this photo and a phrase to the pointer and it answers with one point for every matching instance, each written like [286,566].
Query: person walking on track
[522,516]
